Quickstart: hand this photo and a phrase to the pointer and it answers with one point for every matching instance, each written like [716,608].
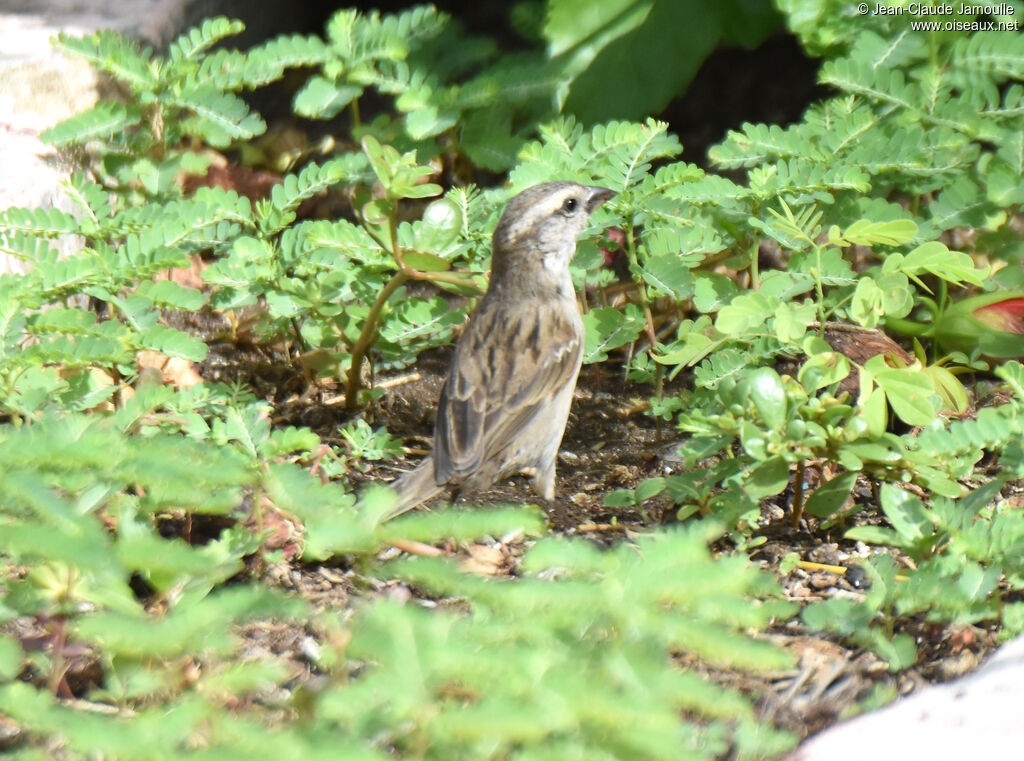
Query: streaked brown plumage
[504,406]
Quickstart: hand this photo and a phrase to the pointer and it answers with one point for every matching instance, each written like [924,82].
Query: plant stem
[907,327]
[298,335]
[459,279]
[755,274]
[645,302]
[797,511]
[354,108]
[819,288]
[659,394]
[366,339]
[58,666]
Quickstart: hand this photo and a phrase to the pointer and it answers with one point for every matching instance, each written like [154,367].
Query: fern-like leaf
[625,150]
[114,54]
[40,222]
[341,239]
[877,85]
[91,200]
[27,248]
[198,40]
[103,120]
[314,178]
[759,143]
[220,117]
[1000,56]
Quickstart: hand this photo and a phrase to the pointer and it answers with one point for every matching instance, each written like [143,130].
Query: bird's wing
[505,368]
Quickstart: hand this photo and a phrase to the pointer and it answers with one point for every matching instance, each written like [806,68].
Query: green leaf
[649,488]
[103,120]
[747,312]
[659,43]
[11,658]
[791,321]
[439,226]
[415,319]
[619,498]
[874,535]
[608,328]
[767,479]
[667,274]
[219,117]
[115,54]
[908,391]
[934,258]
[763,387]
[950,389]
[284,441]
[900,651]
[383,159]
[864,232]
[712,291]
[421,190]
[426,262]
[829,498]
[197,40]
[168,293]
[906,513]
[570,23]
[822,370]
[695,346]
[173,343]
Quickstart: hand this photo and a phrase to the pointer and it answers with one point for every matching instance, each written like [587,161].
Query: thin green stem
[819,288]
[659,394]
[797,511]
[58,666]
[453,278]
[645,302]
[755,272]
[838,306]
[366,338]
[907,327]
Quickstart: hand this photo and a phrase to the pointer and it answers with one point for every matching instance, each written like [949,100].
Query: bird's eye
[570,205]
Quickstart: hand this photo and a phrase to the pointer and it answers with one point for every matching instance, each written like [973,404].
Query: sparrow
[505,403]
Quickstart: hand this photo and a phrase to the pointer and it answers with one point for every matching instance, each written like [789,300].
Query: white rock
[976,716]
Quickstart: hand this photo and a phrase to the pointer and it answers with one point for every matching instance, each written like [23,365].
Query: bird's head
[537,231]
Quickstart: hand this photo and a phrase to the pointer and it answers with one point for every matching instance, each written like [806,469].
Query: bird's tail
[415,487]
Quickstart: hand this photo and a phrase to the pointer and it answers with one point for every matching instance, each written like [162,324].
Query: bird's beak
[598,196]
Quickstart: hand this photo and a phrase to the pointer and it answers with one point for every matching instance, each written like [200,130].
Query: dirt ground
[609,444]
[612,443]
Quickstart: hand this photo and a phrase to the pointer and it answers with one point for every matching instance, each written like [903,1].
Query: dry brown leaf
[487,560]
[173,370]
